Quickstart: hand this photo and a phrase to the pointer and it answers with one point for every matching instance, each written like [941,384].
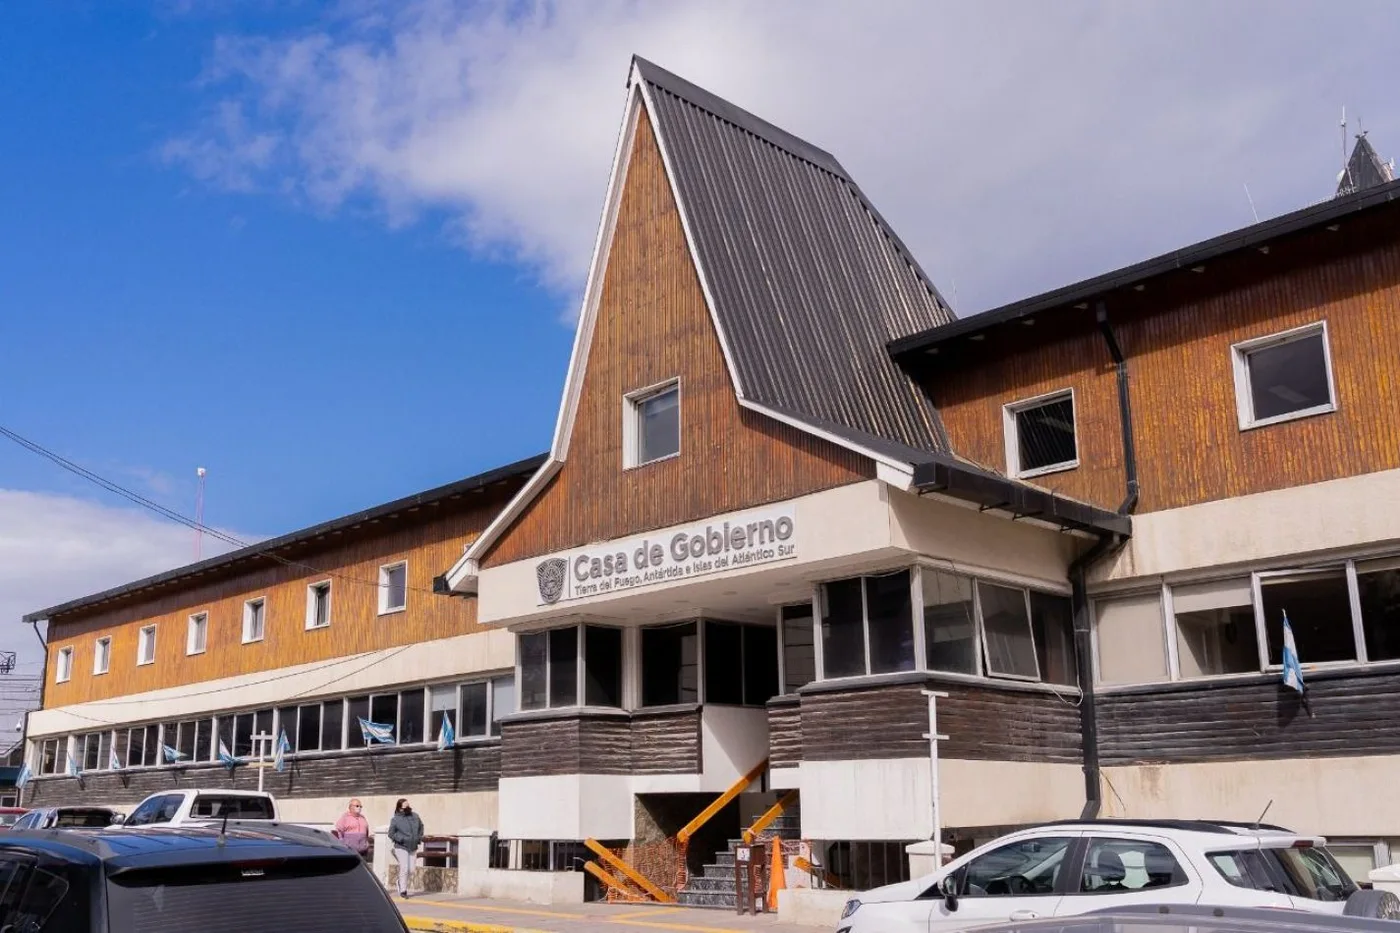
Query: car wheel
[1380,905]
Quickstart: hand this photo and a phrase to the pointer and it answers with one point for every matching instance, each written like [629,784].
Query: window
[950,624]
[411,716]
[502,701]
[1006,622]
[308,734]
[1215,631]
[196,635]
[48,757]
[203,740]
[150,745]
[1315,875]
[91,749]
[253,611]
[333,725]
[652,424]
[1358,859]
[1318,605]
[215,806]
[393,587]
[356,708]
[182,738]
[549,668]
[243,735]
[104,751]
[102,655]
[1052,627]
[741,663]
[1284,376]
[1029,867]
[875,610]
[602,672]
[1246,868]
[1130,640]
[671,664]
[384,710]
[64,670]
[1114,866]
[475,715]
[1040,435]
[442,704]
[799,647]
[563,667]
[318,605]
[1378,587]
[287,723]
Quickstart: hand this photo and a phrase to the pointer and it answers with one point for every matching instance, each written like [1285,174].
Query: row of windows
[1277,378]
[414,716]
[854,627]
[393,597]
[1348,612]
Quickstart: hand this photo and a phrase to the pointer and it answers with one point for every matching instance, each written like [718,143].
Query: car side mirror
[949,887]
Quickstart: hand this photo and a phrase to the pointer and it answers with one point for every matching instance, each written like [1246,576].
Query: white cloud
[55,548]
[1015,146]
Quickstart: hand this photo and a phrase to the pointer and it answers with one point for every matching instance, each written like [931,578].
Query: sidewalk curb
[441,925]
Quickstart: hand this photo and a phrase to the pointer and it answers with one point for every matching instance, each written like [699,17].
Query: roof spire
[1364,169]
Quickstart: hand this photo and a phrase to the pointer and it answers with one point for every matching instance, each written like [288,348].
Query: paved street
[446,913]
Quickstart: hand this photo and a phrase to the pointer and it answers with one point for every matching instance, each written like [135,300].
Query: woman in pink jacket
[353,829]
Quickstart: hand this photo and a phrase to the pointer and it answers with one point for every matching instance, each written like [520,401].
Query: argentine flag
[24,775]
[279,756]
[73,769]
[446,737]
[1292,670]
[226,758]
[116,763]
[171,755]
[376,732]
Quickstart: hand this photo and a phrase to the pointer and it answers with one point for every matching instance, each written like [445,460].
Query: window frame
[261,603]
[146,637]
[312,590]
[384,570]
[63,665]
[580,668]
[196,622]
[101,651]
[1011,434]
[632,422]
[1244,395]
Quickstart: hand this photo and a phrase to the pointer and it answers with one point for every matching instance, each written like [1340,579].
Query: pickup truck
[203,807]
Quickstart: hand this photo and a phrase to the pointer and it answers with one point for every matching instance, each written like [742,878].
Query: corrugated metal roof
[809,283]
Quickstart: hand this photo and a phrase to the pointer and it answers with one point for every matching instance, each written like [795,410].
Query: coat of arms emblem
[550,575]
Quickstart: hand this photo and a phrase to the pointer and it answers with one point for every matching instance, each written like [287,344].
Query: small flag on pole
[226,758]
[172,755]
[1292,670]
[446,736]
[116,763]
[24,775]
[377,732]
[73,769]
[279,755]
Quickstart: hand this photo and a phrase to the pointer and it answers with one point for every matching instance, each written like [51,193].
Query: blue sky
[330,251]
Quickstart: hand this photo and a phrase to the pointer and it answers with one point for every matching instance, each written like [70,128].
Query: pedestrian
[353,829]
[406,834]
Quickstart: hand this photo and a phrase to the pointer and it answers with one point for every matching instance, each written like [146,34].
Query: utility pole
[933,739]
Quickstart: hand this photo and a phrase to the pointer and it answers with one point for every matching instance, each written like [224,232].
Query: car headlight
[852,906]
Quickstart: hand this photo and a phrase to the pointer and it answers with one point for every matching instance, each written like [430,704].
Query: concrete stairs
[714,886]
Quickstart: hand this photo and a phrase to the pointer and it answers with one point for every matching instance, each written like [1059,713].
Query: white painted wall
[732,740]
[431,660]
[566,806]
[1336,514]
[532,887]
[784,778]
[811,907]
[1330,796]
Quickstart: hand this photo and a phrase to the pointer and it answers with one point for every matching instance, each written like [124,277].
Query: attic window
[1040,435]
[1284,376]
[651,424]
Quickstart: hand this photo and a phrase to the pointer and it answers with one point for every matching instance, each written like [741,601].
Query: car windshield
[235,807]
[1315,874]
[80,818]
[309,895]
[9,819]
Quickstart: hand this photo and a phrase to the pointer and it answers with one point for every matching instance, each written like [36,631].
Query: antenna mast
[1346,163]
[199,514]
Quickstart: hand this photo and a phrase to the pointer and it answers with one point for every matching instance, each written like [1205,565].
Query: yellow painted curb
[439,925]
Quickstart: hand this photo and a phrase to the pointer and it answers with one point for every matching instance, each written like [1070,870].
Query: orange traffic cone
[777,875]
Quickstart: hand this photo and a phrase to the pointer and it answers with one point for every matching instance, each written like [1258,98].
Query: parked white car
[1074,867]
[204,807]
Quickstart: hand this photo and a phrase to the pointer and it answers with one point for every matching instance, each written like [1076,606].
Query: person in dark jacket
[406,835]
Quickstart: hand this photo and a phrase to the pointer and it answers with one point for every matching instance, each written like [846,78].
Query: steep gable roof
[805,279]
[1364,169]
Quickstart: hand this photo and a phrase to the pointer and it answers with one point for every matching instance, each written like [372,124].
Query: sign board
[719,545]
[741,853]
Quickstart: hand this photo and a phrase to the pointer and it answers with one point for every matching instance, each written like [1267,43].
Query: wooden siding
[984,723]
[1353,714]
[385,771]
[1177,335]
[430,539]
[784,732]
[666,741]
[663,741]
[653,325]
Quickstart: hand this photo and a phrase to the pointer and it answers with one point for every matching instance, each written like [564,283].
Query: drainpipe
[43,683]
[1083,645]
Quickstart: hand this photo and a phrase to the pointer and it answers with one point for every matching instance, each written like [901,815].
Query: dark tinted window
[217,806]
[473,709]
[332,716]
[799,652]
[1118,865]
[308,729]
[1052,623]
[1288,377]
[90,818]
[1045,434]
[307,896]
[1319,612]
[670,664]
[1027,867]
[602,666]
[843,629]
[534,661]
[563,666]
[1314,874]
[41,900]
[891,622]
[723,663]
[411,715]
[760,664]
[1244,869]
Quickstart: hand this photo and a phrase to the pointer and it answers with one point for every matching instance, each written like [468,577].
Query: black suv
[207,879]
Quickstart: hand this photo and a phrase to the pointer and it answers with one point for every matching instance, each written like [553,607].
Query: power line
[172,515]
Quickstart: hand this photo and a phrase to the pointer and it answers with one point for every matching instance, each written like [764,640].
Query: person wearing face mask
[406,834]
[353,829]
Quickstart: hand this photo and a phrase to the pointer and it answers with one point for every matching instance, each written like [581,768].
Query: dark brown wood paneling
[429,538]
[1353,714]
[386,771]
[653,325]
[986,723]
[604,746]
[784,732]
[666,742]
[1178,334]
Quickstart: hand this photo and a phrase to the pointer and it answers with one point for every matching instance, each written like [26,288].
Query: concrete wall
[732,740]
[566,806]
[532,887]
[812,907]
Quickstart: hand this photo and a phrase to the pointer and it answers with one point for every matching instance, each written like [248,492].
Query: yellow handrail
[769,815]
[720,802]
[597,871]
[831,880]
[606,854]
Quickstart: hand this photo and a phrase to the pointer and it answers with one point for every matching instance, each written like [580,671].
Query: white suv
[1074,867]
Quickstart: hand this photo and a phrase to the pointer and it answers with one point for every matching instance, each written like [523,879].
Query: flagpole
[258,742]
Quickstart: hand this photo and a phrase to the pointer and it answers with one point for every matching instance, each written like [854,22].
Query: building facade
[789,496]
